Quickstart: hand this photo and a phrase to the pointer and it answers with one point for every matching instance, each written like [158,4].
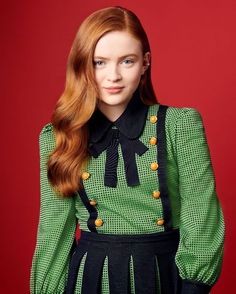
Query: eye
[98,63]
[128,61]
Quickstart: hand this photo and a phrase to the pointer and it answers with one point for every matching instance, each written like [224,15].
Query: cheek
[136,72]
[134,77]
[98,77]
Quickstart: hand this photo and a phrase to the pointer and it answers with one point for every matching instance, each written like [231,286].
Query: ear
[146,61]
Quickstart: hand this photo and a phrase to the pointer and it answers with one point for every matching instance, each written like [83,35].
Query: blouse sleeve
[56,230]
[199,256]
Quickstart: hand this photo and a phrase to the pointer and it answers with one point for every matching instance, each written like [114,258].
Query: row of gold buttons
[153,141]
[99,222]
[85,175]
[154,166]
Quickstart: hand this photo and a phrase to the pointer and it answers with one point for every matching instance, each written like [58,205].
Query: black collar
[129,127]
[130,123]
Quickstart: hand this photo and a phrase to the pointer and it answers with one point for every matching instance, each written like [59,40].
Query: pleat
[119,270]
[158,280]
[79,281]
[93,269]
[145,274]
[169,276]
[73,270]
[105,277]
[132,282]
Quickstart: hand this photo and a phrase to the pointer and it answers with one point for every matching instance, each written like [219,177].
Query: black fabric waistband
[161,237]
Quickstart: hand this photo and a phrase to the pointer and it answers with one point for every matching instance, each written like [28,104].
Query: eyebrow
[121,57]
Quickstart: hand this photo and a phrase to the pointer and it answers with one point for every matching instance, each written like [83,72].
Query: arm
[55,236]
[200,251]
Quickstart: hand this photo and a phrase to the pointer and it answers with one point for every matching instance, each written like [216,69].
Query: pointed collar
[130,123]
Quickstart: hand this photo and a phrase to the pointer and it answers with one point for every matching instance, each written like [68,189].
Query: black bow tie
[129,148]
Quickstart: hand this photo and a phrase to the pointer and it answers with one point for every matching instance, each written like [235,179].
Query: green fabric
[133,210]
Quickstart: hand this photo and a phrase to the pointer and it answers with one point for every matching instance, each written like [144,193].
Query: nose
[113,73]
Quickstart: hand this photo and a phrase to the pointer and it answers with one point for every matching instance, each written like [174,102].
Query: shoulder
[47,138]
[175,114]
[178,118]
[184,124]
[183,116]
[47,128]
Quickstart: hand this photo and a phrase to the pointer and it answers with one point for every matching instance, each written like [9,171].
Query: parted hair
[79,98]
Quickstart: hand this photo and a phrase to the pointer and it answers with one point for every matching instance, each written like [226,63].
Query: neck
[112,112]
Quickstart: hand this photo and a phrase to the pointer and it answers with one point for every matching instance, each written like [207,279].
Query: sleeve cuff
[190,287]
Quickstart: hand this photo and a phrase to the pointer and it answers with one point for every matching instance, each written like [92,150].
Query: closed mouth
[113,88]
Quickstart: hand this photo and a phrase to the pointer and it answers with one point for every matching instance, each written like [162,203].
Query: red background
[193,49]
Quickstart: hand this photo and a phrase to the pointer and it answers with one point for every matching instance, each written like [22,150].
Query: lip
[113,89]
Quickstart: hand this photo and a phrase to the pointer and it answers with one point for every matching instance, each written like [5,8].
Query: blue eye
[128,61]
[98,63]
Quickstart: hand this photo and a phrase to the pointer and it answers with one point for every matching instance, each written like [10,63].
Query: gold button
[160,222]
[85,175]
[93,202]
[156,194]
[154,166]
[153,119]
[153,140]
[98,222]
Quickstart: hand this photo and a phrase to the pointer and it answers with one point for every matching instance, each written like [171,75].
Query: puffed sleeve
[56,229]
[199,256]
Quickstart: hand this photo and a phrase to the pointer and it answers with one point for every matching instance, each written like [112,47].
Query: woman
[136,175]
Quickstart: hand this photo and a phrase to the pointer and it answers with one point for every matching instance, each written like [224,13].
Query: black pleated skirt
[151,256]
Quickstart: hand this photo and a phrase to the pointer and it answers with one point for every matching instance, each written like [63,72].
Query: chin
[113,103]
[114,100]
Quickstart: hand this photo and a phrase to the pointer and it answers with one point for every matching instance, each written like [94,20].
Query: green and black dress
[148,212]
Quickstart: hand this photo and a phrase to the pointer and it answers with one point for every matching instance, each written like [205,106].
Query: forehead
[117,43]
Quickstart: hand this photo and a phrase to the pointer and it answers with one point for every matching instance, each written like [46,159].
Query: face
[118,65]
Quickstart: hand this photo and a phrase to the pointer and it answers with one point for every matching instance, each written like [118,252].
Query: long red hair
[78,101]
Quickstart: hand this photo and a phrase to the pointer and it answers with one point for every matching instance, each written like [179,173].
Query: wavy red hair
[78,101]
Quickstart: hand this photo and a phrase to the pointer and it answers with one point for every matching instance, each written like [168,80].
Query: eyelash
[131,61]
[96,62]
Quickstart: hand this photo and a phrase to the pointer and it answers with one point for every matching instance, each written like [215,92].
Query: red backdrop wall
[193,48]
